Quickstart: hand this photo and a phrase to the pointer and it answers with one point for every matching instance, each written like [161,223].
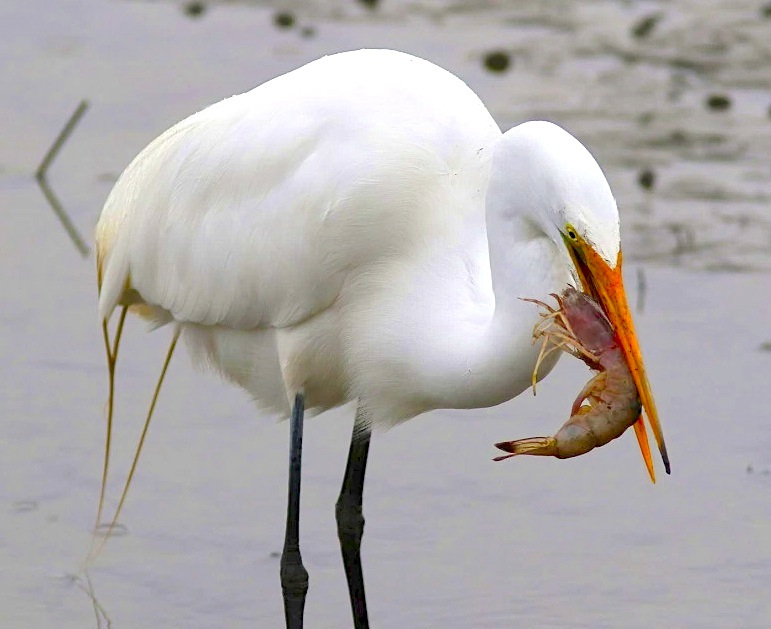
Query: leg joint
[350,519]
[294,576]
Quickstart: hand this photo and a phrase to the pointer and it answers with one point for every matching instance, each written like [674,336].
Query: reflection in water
[42,171]
[63,217]
[84,584]
[642,288]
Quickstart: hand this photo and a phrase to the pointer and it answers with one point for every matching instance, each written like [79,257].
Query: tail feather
[113,276]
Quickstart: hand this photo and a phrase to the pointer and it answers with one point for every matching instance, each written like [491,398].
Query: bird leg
[294,576]
[350,520]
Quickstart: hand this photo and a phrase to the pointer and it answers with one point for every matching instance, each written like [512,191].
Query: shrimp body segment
[608,404]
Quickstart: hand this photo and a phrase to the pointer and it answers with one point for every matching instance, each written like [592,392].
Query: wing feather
[254,211]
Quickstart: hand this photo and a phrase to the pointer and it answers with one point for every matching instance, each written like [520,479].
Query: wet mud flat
[673,99]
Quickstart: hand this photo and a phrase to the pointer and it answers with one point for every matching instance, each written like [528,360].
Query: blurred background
[674,100]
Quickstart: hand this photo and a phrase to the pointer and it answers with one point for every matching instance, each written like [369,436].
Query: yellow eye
[571,232]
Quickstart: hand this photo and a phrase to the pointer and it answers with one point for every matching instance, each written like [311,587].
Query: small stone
[497,61]
[283,19]
[646,118]
[644,27]
[195,8]
[274,554]
[370,4]
[646,179]
[765,347]
[678,137]
[718,102]
[765,10]
[750,469]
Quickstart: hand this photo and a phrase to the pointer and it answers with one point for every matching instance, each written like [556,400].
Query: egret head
[543,175]
[551,178]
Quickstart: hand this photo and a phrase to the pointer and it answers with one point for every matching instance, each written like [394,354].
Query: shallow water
[452,539]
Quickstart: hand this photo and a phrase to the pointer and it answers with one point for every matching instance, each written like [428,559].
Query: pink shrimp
[580,327]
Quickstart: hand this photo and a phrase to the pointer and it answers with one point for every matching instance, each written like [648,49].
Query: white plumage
[357,228]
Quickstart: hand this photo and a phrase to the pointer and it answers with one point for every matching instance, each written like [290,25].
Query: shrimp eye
[571,232]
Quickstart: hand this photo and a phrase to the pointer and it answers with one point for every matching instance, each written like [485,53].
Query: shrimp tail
[538,446]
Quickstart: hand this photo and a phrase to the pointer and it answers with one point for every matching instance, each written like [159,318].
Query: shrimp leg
[589,391]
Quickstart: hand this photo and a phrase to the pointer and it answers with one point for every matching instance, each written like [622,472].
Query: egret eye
[571,232]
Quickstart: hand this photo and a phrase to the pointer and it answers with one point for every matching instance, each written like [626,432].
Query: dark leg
[294,576]
[350,521]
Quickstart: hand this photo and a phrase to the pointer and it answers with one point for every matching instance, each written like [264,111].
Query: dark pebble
[646,179]
[195,8]
[718,102]
[765,11]
[497,61]
[645,25]
[370,4]
[283,19]
[274,554]
[678,137]
[765,347]
[646,118]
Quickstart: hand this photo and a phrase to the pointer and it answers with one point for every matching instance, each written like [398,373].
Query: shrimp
[579,327]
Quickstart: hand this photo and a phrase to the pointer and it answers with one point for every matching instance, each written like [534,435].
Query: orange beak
[607,287]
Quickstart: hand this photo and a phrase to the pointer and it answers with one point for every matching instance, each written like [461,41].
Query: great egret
[360,229]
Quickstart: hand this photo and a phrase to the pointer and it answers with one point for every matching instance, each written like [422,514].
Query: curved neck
[539,175]
[492,360]
[524,263]
[477,349]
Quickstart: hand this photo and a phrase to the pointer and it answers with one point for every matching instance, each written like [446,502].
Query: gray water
[452,539]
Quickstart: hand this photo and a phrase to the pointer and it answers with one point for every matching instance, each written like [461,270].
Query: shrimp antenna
[543,354]
[538,302]
[92,555]
[112,358]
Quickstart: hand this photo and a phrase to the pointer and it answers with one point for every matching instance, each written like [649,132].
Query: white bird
[360,229]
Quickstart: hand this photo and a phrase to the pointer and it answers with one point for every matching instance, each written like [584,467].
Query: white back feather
[252,212]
